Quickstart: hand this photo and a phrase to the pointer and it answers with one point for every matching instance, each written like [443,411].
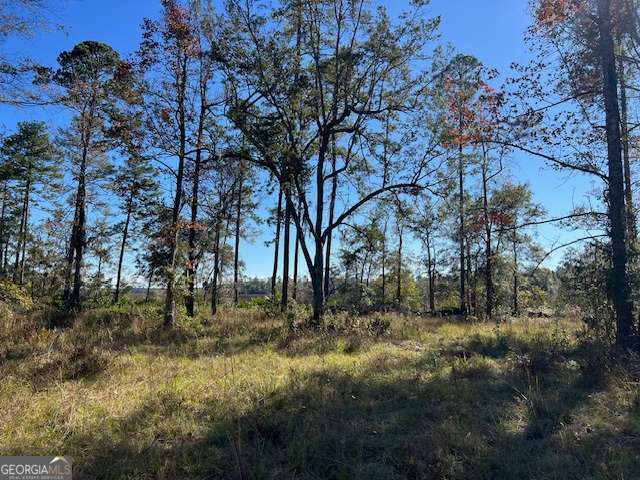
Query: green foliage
[87,63]
[15,298]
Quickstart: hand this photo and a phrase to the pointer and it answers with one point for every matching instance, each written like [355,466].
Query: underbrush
[255,394]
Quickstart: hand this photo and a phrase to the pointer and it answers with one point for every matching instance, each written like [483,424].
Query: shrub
[378,325]
[15,297]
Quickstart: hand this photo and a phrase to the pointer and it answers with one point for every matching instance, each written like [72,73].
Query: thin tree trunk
[473,283]
[216,271]
[618,285]
[317,268]
[25,235]
[236,253]
[364,265]
[294,294]
[432,303]
[123,244]
[66,296]
[332,206]
[5,263]
[18,272]
[80,239]
[488,272]
[399,282]
[284,301]
[276,246]
[192,267]
[2,227]
[470,299]
[384,263]
[624,127]
[170,303]
[514,244]
[146,298]
[79,235]
[193,260]
[461,231]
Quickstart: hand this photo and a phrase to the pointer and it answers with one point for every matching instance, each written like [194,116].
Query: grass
[241,399]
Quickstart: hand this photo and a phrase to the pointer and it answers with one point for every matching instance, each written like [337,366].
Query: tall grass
[250,395]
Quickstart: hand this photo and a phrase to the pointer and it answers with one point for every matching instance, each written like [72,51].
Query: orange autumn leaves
[549,13]
[471,113]
[179,27]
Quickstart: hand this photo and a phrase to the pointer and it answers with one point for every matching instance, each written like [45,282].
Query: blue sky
[492,30]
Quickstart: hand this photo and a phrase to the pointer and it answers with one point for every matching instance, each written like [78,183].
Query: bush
[378,325]
[15,297]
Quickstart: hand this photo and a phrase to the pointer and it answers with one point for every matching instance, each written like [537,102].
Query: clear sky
[492,30]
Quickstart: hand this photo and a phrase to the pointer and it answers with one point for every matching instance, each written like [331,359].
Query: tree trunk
[66,296]
[384,262]
[170,303]
[469,277]
[318,297]
[461,231]
[2,228]
[276,246]
[123,244]
[432,302]
[399,266]
[488,272]
[472,272]
[618,285]
[316,267]
[514,243]
[236,251]
[18,271]
[146,298]
[79,238]
[25,235]
[332,207]
[285,254]
[193,257]
[6,256]
[624,128]
[216,271]
[294,294]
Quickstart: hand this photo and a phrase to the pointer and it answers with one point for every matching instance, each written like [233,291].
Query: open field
[427,398]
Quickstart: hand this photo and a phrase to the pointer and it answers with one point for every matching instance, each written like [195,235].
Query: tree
[33,164]
[202,23]
[276,244]
[219,194]
[136,186]
[350,69]
[21,19]
[517,208]
[464,91]
[617,215]
[576,44]
[167,54]
[424,224]
[87,75]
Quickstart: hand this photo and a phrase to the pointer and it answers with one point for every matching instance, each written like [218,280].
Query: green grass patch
[249,396]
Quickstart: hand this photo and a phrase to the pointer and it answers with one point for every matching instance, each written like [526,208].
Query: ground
[383,397]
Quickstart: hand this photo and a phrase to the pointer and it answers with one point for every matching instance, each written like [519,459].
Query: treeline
[361,131]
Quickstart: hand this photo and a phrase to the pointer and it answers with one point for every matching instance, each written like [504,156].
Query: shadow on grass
[393,419]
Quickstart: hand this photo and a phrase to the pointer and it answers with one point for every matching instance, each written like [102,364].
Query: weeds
[257,396]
